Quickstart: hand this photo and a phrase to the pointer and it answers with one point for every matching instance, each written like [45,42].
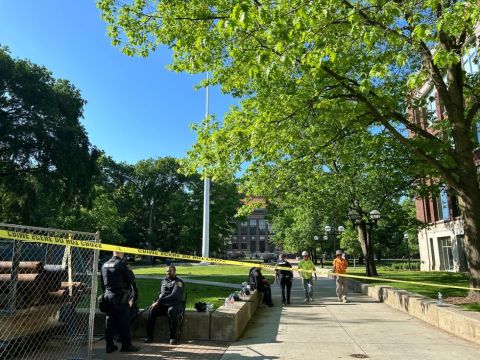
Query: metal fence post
[12,288]
[93,298]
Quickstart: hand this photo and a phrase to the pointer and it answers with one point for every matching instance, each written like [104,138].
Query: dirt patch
[460,300]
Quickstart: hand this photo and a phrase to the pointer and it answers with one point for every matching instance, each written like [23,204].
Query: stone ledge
[225,323]
[453,319]
[228,323]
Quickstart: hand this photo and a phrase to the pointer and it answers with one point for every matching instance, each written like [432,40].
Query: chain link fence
[47,296]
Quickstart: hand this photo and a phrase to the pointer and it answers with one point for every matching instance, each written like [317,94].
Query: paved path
[327,329]
[191,350]
[193,281]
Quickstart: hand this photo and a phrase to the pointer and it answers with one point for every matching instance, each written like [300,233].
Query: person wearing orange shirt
[340,267]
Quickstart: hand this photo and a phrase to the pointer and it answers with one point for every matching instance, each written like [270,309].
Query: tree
[47,164]
[162,208]
[357,173]
[290,59]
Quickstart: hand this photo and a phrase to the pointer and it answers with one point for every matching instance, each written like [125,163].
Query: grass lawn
[434,277]
[149,288]
[221,273]
[148,292]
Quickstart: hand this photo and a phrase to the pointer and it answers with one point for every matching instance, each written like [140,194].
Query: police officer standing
[285,277]
[117,281]
[170,303]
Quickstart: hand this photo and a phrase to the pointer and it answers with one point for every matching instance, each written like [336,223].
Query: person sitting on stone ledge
[170,303]
[259,283]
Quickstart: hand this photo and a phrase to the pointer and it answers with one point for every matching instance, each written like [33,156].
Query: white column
[206,201]
[206,218]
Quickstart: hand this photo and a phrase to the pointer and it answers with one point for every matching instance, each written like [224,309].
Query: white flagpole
[206,203]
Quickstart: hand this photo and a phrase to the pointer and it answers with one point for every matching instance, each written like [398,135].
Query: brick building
[251,236]
[441,241]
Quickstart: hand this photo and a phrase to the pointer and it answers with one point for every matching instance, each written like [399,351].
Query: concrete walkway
[327,329]
[193,281]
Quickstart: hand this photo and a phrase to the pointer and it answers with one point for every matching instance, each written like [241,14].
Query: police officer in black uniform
[117,280]
[170,303]
[285,277]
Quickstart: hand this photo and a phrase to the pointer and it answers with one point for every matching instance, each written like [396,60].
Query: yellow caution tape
[407,282]
[55,240]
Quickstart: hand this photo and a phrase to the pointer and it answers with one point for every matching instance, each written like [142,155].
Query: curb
[450,318]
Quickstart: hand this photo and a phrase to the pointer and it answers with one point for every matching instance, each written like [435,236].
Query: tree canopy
[47,163]
[314,69]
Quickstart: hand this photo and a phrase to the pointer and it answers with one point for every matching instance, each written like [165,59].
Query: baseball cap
[304,253]
[338,252]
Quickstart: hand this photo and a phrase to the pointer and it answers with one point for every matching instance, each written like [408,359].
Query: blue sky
[136,108]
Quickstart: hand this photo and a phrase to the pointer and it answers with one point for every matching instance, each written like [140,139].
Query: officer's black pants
[172,313]
[118,321]
[286,284]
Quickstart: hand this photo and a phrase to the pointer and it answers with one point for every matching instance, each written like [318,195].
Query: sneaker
[339,298]
[173,342]
[131,348]
[345,299]
[306,300]
[148,340]
[111,349]
[311,299]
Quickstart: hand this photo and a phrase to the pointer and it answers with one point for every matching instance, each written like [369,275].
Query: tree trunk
[469,202]
[367,248]
[468,192]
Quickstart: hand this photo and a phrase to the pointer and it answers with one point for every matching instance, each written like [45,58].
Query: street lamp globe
[341,229]
[328,229]
[315,238]
[325,238]
[353,215]
[375,215]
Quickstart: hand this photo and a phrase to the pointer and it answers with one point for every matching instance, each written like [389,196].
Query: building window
[470,61]
[262,227]
[454,206]
[253,226]
[244,246]
[477,125]
[243,228]
[441,206]
[431,107]
[262,246]
[235,246]
[253,246]
[446,252]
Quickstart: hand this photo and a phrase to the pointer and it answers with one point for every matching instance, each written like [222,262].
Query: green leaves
[47,164]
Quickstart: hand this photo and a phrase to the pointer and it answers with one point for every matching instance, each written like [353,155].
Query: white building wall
[434,255]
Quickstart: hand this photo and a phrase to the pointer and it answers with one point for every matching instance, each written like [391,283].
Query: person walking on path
[306,268]
[285,277]
[340,266]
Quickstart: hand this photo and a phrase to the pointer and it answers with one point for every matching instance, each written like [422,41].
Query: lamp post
[329,230]
[405,237]
[366,222]
[316,238]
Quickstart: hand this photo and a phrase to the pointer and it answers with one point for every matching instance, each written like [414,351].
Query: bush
[404,266]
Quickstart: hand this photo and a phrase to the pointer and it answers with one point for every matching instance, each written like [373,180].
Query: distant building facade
[441,242]
[251,236]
